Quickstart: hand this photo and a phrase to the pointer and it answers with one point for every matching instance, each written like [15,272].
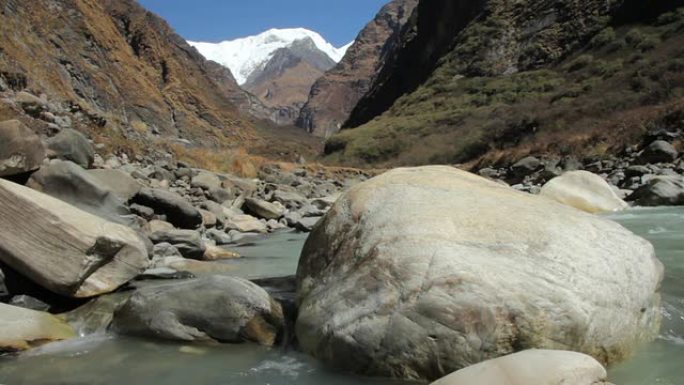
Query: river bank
[109,360]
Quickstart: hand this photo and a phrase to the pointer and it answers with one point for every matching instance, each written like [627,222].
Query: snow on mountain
[246,55]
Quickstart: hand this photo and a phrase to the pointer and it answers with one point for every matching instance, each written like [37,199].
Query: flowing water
[105,360]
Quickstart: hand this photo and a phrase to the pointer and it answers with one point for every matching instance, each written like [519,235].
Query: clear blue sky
[338,21]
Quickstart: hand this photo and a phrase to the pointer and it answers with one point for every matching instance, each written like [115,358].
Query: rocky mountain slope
[334,95]
[490,82]
[278,66]
[121,67]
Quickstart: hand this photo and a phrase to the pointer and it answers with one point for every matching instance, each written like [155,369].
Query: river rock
[21,150]
[584,191]
[423,271]
[532,367]
[118,182]
[28,302]
[660,191]
[225,309]
[659,151]
[215,253]
[71,145]
[188,242]
[206,180]
[245,224]
[177,210]
[4,293]
[22,329]
[64,249]
[263,209]
[72,184]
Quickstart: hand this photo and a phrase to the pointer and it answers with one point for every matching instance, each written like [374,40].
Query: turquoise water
[104,360]
[661,362]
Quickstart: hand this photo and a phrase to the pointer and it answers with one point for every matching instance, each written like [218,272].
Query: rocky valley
[475,192]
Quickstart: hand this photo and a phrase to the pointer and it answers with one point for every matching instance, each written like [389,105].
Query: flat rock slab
[64,249]
[22,329]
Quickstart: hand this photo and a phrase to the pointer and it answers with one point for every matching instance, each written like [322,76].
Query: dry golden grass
[233,161]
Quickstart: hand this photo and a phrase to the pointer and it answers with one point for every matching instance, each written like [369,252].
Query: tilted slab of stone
[423,271]
[21,329]
[64,249]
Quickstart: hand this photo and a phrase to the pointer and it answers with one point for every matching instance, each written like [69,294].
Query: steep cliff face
[121,65]
[493,80]
[333,96]
[283,84]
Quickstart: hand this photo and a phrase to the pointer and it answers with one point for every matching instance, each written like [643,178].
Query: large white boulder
[423,271]
[585,191]
[65,249]
[532,367]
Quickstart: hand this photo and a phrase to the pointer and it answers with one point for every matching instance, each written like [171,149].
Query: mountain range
[278,66]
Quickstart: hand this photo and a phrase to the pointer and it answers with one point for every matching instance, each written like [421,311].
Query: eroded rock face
[63,249]
[584,191]
[334,95]
[21,150]
[532,367]
[420,272]
[225,309]
[21,329]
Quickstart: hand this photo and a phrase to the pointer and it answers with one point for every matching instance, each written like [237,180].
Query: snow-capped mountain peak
[246,55]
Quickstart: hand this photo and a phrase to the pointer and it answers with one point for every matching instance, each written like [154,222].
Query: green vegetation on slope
[596,100]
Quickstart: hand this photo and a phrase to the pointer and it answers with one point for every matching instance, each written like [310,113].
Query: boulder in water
[532,367]
[423,271]
[225,309]
[584,191]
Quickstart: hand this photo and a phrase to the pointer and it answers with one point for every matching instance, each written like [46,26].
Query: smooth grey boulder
[118,182]
[532,367]
[423,271]
[262,209]
[64,249]
[206,180]
[525,166]
[220,308]
[72,184]
[188,242]
[21,150]
[71,145]
[177,210]
[290,199]
[659,151]
[660,191]
[307,224]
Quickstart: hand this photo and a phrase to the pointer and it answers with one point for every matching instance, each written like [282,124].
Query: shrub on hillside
[603,38]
